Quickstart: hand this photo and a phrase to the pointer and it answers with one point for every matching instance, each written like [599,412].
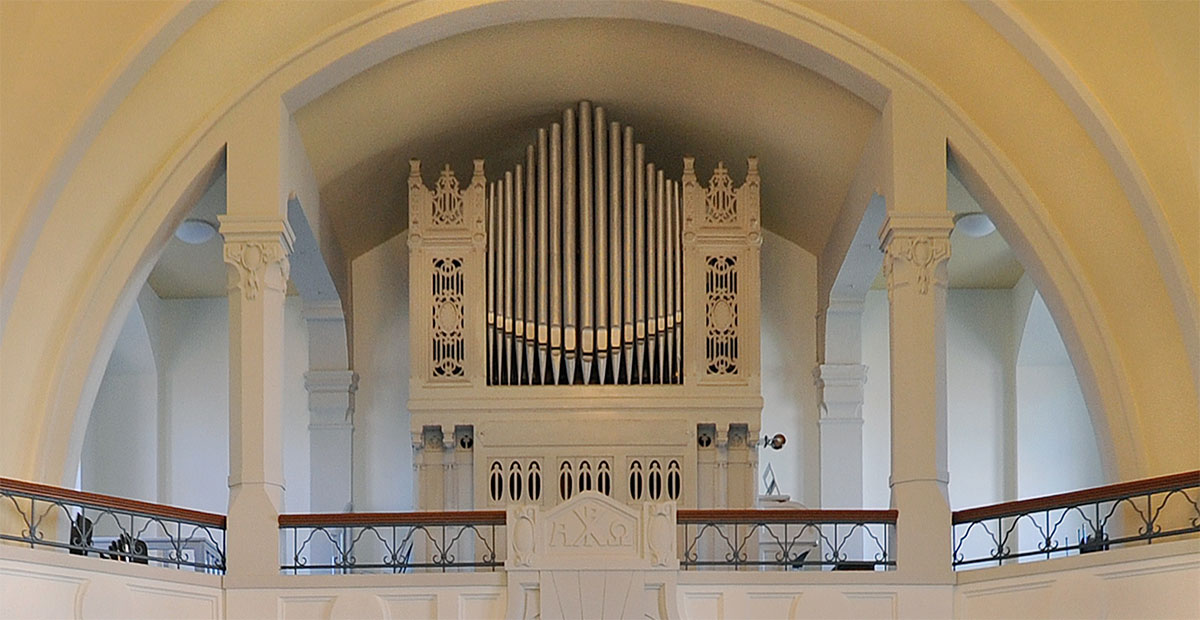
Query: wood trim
[1084,496]
[359,519]
[71,496]
[771,515]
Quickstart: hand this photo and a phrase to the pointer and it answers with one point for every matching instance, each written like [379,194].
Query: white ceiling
[186,271]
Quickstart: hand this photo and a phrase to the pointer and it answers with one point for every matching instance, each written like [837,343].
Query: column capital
[916,248]
[256,251]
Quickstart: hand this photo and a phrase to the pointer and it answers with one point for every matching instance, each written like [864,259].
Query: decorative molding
[524,521]
[659,523]
[918,241]
[925,254]
[257,249]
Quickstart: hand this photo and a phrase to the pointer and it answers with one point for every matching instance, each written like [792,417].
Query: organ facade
[585,322]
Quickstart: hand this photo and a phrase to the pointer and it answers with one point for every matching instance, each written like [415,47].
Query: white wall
[382,467]
[978,334]
[1056,446]
[789,354]
[1056,442]
[876,412]
[120,450]
[173,446]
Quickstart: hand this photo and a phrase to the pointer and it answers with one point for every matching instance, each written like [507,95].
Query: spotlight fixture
[195,231]
[974,225]
[775,442]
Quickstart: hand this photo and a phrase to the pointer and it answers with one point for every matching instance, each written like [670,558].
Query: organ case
[585,286]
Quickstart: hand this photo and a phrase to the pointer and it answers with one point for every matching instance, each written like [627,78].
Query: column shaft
[256,255]
[916,250]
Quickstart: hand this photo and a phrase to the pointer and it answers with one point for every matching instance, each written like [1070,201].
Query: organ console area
[583,321]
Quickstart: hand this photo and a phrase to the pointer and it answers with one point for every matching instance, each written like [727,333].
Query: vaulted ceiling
[484,94]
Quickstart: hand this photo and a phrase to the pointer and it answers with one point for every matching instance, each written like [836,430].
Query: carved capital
[256,253]
[916,248]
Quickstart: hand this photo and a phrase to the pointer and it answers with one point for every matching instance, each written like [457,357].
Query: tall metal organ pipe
[584,261]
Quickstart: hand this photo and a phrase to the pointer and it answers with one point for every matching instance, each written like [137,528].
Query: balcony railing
[393,542]
[112,528]
[1086,521]
[787,539]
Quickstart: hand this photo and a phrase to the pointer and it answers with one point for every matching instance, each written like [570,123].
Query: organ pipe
[584,261]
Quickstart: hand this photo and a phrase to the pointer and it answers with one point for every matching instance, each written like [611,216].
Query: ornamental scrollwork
[258,263]
[923,253]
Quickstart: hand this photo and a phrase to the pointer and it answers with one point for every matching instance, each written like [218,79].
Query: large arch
[47,396]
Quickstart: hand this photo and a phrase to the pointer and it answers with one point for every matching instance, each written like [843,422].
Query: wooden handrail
[360,519]
[773,515]
[71,496]
[1084,496]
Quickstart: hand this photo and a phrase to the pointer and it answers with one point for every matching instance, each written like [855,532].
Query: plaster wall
[1052,420]
[1056,442]
[131,441]
[789,354]
[383,467]
[120,454]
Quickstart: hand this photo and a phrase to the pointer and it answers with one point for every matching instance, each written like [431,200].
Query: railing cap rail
[780,515]
[430,517]
[98,500]
[1084,496]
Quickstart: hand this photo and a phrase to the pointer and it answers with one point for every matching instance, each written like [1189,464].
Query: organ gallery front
[584,322]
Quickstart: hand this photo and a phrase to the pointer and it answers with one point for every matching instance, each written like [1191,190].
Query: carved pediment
[592,531]
[592,521]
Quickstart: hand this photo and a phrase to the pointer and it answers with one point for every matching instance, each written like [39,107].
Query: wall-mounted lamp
[195,231]
[974,225]
[775,442]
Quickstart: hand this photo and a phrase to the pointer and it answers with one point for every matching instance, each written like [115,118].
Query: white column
[917,247]
[915,239]
[256,255]
[331,387]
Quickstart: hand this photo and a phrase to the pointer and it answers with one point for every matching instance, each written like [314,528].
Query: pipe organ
[583,321]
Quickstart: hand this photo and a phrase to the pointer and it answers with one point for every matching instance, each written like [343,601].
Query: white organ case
[583,322]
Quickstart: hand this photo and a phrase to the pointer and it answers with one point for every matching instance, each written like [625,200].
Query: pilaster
[841,424]
[331,387]
[330,432]
[256,256]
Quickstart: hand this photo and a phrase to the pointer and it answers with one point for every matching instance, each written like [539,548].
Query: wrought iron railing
[112,528]
[1086,521]
[393,542]
[787,539]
